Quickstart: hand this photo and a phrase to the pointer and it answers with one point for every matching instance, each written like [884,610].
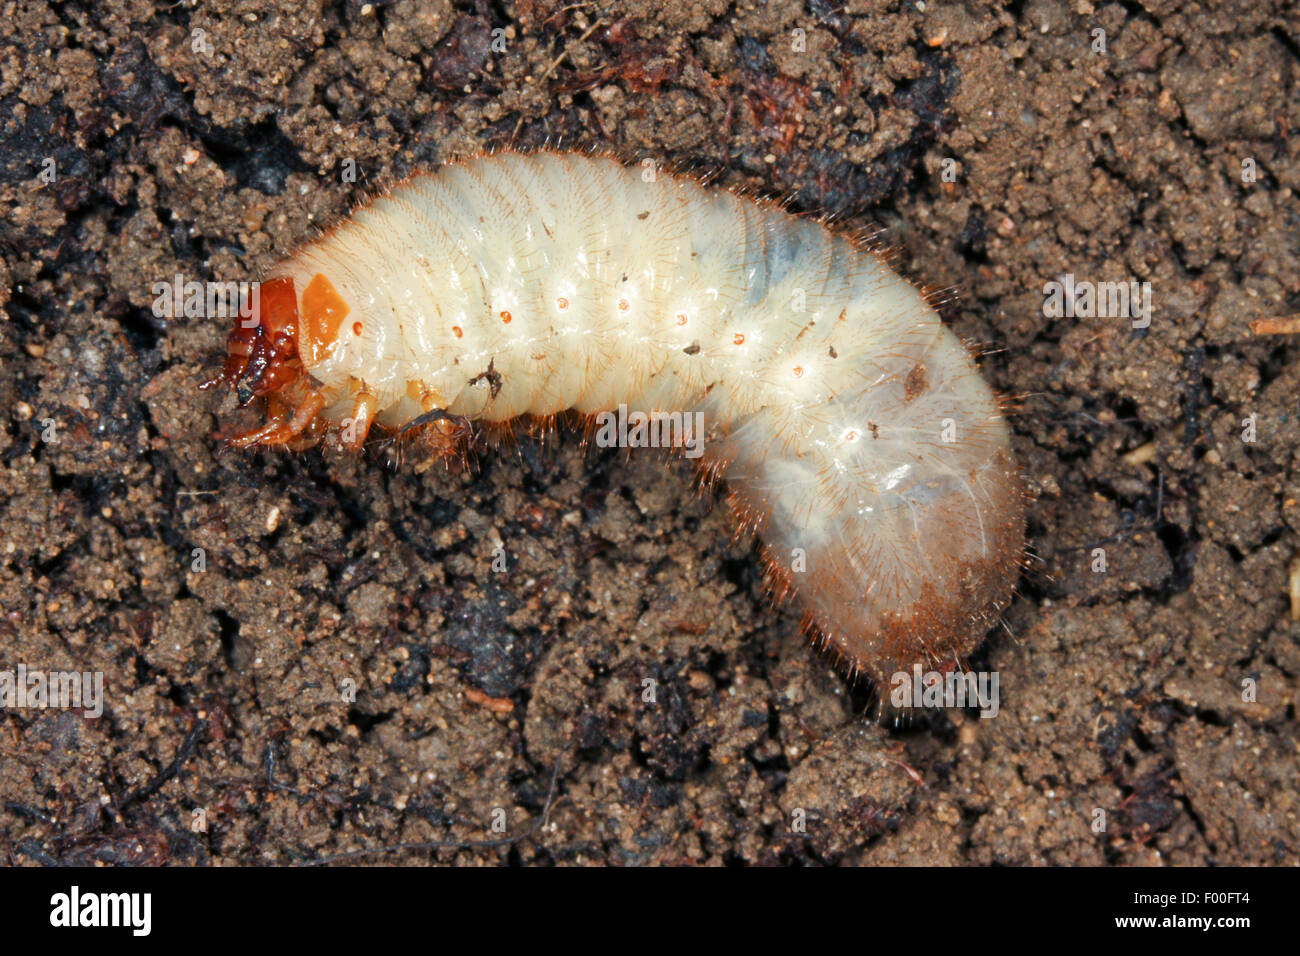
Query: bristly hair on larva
[852,428]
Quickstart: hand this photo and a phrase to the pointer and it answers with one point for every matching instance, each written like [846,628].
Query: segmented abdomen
[850,425]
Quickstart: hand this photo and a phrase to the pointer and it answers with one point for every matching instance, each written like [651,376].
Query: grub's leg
[310,437]
[439,431]
[282,432]
[363,415]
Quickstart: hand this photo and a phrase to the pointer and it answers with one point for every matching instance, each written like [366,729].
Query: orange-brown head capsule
[262,349]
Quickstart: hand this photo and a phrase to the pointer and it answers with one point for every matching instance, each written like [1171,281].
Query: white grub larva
[852,428]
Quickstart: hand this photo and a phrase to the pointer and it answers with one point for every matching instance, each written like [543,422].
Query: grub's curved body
[851,426]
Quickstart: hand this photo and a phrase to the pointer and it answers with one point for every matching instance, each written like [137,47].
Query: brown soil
[1120,691]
